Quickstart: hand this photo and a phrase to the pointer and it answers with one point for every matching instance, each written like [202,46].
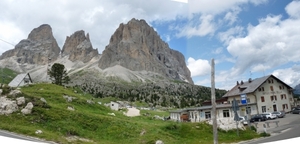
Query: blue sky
[247,38]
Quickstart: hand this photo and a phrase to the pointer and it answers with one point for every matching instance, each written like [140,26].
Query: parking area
[272,123]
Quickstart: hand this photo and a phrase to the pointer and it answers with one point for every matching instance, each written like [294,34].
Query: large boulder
[20,100]
[27,109]
[227,124]
[7,106]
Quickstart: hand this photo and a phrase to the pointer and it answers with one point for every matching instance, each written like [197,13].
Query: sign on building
[243,99]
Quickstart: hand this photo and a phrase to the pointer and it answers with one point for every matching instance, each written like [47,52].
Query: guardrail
[268,123]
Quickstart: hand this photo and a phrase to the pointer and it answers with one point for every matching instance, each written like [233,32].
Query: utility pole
[213,102]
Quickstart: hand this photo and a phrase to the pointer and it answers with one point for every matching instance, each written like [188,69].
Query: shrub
[253,128]
[264,134]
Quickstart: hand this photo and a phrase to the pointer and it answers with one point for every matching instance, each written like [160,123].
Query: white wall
[114,106]
[267,93]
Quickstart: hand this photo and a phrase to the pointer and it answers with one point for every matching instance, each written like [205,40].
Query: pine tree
[58,74]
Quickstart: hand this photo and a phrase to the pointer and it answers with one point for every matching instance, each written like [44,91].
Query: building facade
[265,94]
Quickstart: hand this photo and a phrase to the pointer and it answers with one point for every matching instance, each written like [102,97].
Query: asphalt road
[9,137]
[288,131]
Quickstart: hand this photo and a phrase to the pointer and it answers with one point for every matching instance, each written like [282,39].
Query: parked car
[243,120]
[258,117]
[296,110]
[279,114]
[269,115]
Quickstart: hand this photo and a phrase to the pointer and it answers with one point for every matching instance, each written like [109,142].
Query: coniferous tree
[58,74]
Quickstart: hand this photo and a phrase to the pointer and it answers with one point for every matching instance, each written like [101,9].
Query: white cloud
[198,67]
[230,34]
[290,76]
[218,50]
[273,42]
[99,18]
[293,9]
[205,27]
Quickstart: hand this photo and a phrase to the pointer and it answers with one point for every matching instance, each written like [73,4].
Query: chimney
[237,83]
[242,82]
[249,80]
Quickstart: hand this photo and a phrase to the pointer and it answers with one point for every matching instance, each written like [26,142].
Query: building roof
[250,86]
[18,79]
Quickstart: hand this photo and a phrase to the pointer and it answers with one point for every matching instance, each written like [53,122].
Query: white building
[265,94]
[114,105]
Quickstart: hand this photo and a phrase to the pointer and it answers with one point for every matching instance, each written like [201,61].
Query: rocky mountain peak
[79,47]
[138,47]
[37,48]
[42,33]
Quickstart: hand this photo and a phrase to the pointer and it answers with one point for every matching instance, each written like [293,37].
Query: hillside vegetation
[157,92]
[6,75]
[91,123]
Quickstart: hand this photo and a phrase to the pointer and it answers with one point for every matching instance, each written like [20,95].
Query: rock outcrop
[79,47]
[138,47]
[37,48]
[27,109]
[7,106]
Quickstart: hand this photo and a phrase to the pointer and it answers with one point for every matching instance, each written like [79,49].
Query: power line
[7,42]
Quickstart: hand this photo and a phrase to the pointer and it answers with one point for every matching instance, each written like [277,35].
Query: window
[283,96]
[273,98]
[263,109]
[261,89]
[262,99]
[280,87]
[207,115]
[225,113]
[285,106]
[248,110]
[271,87]
[291,99]
[248,100]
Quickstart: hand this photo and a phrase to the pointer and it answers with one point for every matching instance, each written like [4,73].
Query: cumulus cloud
[293,9]
[205,27]
[99,18]
[230,34]
[198,67]
[290,76]
[273,42]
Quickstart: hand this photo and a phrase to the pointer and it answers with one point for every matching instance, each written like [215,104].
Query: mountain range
[136,65]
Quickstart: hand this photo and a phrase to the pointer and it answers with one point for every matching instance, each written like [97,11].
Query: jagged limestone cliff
[136,46]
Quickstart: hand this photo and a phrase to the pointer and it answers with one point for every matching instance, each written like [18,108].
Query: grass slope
[92,122]
[6,75]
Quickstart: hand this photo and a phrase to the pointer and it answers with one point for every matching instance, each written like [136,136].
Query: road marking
[285,130]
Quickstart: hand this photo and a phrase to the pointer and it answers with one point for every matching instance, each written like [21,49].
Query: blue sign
[243,99]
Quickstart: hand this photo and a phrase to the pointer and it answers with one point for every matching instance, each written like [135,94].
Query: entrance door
[274,107]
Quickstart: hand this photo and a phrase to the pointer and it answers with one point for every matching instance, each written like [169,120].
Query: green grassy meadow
[93,123]
[6,75]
